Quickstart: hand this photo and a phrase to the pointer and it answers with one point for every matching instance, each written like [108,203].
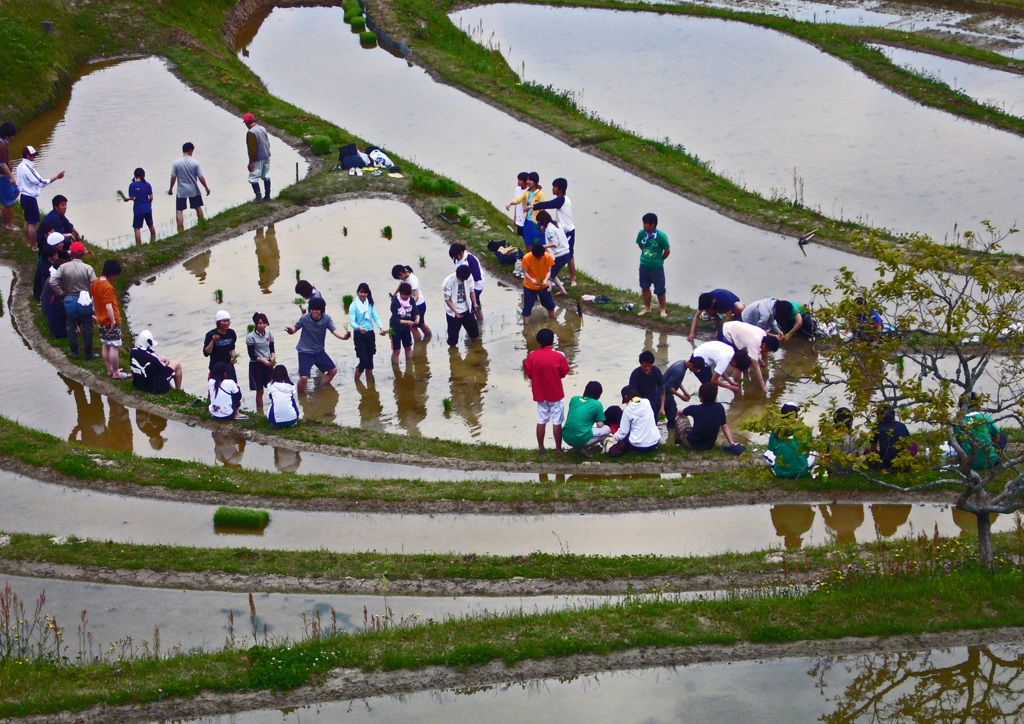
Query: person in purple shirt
[716,303]
[142,194]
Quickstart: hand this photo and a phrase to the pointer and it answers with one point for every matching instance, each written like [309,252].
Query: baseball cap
[221,316]
[146,340]
[78,248]
[31,151]
[248,117]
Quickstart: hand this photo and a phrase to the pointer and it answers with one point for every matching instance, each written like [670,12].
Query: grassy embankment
[439,44]
[867,600]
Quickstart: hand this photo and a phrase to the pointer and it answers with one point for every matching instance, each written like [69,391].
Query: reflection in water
[321,403]
[842,519]
[968,522]
[370,408]
[286,460]
[791,522]
[268,257]
[153,427]
[411,390]
[982,684]
[228,449]
[468,380]
[198,265]
[889,517]
[93,428]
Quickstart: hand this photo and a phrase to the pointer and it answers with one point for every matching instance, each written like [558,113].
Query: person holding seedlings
[362,315]
[108,317]
[716,303]
[520,213]
[638,430]
[31,183]
[306,290]
[649,383]
[404,274]
[258,145]
[673,380]
[312,344]
[284,409]
[757,343]
[59,222]
[187,172]
[537,281]
[141,192]
[460,306]
[546,367]
[150,371]
[8,183]
[219,344]
[262,356]
[584,422]
[72,283]
[555,240]
[562,207]
[403,321]
[225,395]
[533,194]
[654,250]
[796,318]
[461,257]
[708,418]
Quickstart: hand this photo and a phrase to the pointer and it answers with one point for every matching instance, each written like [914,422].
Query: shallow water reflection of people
[92,429]
[228,449]
[320,404]
[468,379]
[268,256]
[287,460]
[370,407]
[968,522]
[152,426]
[198,265]
[791,522]
[842,520]
[889,517]
[411,390]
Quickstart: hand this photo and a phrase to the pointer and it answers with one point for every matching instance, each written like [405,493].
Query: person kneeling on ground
[151,372]
[708,417]
[284,410]
[982,440]
[790,446]
[637,431]
[225,394]
[584,422]
[890,439]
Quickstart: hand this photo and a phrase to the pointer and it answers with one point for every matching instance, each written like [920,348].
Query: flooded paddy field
[981,683]
[481,147]
[41,508]
[805,126]
[116,117]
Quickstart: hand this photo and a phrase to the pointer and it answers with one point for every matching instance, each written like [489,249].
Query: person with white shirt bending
[556,241]
[562,208]
[31,183]
[460,306]
[461,257]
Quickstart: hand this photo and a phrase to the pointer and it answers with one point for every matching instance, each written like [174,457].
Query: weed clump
[434,185]
[368,37]
[320,144]
[241,518]
[386,232]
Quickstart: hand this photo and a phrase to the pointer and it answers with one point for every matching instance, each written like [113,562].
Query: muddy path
[354,684]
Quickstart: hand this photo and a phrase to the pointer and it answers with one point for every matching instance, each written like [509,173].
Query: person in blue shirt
[362,316]
[141,193]
[716,303]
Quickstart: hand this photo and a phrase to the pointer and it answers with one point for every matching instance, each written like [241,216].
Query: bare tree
[944,349]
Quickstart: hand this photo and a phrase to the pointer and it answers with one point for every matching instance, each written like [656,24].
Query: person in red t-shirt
[546,367]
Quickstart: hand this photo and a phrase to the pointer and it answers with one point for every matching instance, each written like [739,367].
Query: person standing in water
[262,356]
[363,316]
[312,347]
[188,174]
[404,274]
[258,145]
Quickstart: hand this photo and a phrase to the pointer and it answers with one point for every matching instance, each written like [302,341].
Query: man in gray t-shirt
[311,347]
[189,175]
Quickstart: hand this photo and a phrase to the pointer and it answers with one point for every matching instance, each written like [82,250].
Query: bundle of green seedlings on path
[352,11]
[227,517]
[450,212]
[320,144]
[465,220]
[358,24]
[435,185]
[368,37]
[326,263]
[386,232]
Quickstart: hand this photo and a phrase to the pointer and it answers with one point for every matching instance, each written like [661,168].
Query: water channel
[982,684]
[114,118]
[446,130]
[40,508]
[803,126]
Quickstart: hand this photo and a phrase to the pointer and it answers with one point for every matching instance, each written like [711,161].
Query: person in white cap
[150,371]
[220,341]
[31,183]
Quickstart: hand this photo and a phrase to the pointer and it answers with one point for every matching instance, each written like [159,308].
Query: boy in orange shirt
[108,317]
[537,281]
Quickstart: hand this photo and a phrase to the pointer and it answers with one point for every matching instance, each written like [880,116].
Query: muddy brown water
[135,113]
[981,683]
[446,130]
[41,508]
[852,148]
[36,395]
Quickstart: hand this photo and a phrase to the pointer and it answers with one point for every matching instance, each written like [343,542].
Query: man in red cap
[71,283]
[258,145]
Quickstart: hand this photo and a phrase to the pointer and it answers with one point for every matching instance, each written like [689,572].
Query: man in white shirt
[460,306]
[638,431]
[757,343]
[31,183]
[710,361]
[562,208]
[520,211]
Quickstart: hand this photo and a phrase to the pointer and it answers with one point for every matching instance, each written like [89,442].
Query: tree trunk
[985,553]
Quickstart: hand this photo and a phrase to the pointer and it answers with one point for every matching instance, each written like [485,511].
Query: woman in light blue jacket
[362,315]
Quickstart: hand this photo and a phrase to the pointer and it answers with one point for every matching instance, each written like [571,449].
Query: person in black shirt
[219,344]
[649,383]
[150,371]
[708,418]
[888,436]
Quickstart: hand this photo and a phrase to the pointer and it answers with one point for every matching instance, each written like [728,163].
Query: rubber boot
[266,189]
[256,189]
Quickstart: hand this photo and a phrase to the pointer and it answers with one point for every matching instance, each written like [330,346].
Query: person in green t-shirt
[654,251]
[982,438]
[790,445]
[584,423]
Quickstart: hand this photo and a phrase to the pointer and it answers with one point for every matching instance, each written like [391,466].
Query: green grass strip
[241,518]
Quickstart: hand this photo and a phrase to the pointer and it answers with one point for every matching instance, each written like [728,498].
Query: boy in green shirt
[654,251]
[584,414]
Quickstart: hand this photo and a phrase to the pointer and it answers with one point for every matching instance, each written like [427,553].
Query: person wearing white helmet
[219,344]
[150,371]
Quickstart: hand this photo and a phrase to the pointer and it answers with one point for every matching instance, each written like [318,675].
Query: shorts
[30,205]
[560,263]
[259,375]
[8,192]
[421,312]
[321,359]
[110,336]
[653,275]
[531,234]
[146,217]
[553,412]
[401,337]
[519,229]
[260,170]
[531,296]
[570,236]
[194,202]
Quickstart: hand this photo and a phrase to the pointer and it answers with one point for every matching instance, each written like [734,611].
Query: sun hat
[222,315]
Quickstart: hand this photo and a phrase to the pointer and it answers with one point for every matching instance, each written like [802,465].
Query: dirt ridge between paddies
[353,684]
